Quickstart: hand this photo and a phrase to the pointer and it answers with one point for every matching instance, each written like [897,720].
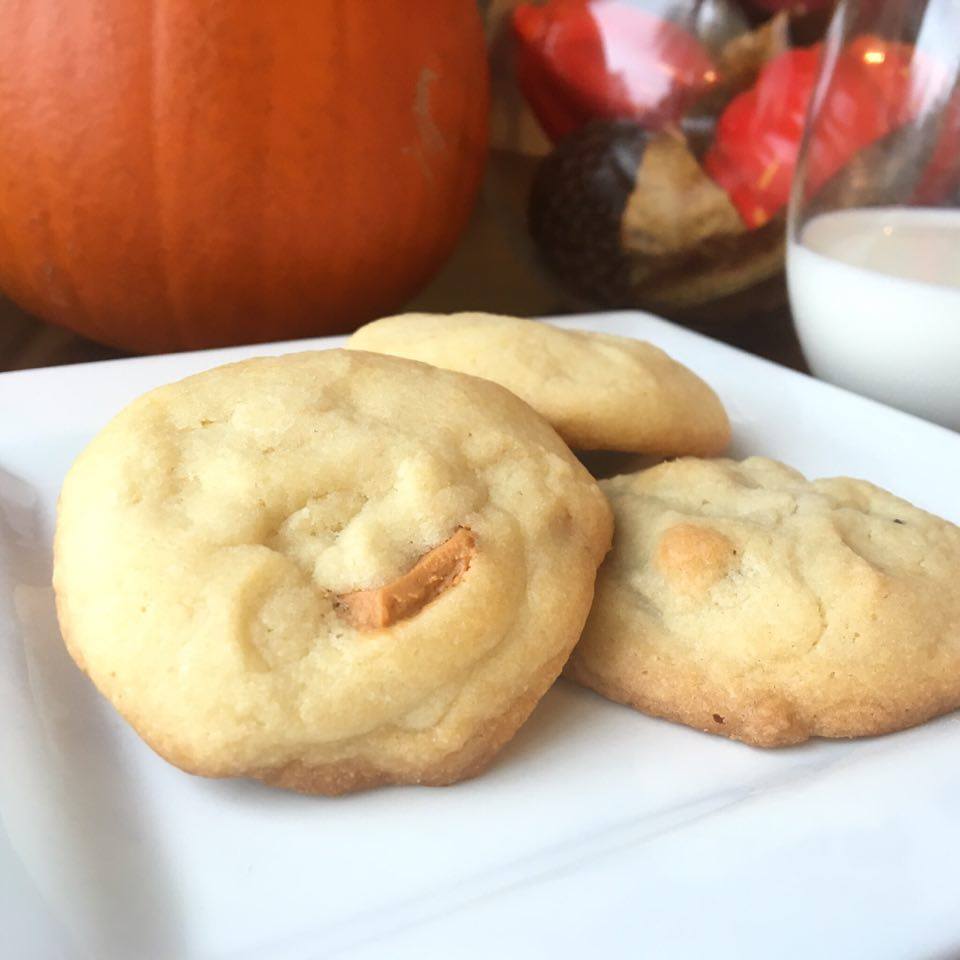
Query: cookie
[600,392]
[327,570]
[742,599]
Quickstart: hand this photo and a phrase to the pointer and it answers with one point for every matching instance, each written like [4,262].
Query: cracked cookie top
[324,556]
[599,391]
[744,599]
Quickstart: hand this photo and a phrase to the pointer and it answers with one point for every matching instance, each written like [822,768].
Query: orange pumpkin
[189,173]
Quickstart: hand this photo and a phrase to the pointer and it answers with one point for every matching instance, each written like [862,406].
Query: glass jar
[640,156]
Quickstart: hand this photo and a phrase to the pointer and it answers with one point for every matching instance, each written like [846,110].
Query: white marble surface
[599,831]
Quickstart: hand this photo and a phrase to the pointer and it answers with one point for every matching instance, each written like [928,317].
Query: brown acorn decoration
[626,217]
[577,201]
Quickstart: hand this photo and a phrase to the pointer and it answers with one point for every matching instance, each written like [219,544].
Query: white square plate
[598,832]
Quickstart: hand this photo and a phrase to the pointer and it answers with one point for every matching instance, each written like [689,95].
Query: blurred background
[631,154]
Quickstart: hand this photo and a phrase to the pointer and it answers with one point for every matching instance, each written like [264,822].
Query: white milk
[876,300]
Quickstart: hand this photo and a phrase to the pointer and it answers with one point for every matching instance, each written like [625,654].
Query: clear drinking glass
[873,260]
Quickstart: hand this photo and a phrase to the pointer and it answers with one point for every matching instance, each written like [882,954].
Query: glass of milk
[873,255]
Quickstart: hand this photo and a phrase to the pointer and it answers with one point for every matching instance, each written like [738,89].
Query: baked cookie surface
[599,391]
[327,570]
[742,599]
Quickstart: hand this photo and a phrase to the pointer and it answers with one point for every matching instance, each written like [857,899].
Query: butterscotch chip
[600,392]
[693,557]
[742,599]
[436,571]
[327,570]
